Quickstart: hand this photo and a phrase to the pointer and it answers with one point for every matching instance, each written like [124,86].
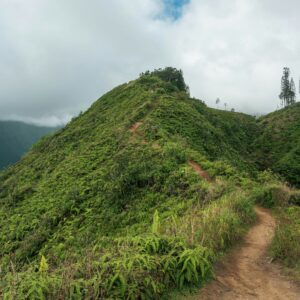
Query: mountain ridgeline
[16,138]
[135,196]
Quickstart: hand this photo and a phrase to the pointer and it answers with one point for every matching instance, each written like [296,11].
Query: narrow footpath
[247,273]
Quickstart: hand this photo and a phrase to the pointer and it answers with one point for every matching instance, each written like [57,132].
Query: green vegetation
[277,147]
[278,144]
[284,201]
[285,247]
[286,243]
[172,77]
[16,138]
[111,207]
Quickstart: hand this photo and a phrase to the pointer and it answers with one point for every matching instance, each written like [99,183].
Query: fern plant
[43,265]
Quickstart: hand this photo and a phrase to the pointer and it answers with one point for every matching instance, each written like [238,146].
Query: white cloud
[57,57]
[235,50]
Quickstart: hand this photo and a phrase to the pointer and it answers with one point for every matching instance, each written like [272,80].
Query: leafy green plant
[193,266]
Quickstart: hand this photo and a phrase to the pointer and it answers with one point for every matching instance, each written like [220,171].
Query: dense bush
[173,78]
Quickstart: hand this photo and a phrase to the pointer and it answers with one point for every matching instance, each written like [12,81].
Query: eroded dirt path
[135,126]
[197,168]
[247,273]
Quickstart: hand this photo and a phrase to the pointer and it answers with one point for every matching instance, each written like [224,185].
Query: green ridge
[99,209]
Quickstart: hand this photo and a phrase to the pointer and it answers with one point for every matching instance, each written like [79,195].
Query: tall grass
[216,227]
[286,243]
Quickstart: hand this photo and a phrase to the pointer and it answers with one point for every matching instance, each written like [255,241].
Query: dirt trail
[134,130]
[247,273]
[135,126]
[199,170]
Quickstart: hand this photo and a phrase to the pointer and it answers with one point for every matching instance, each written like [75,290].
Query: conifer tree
[285,86]
[288,91]
[292,92]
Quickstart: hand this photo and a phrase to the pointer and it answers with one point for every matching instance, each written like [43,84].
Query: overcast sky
[59,56]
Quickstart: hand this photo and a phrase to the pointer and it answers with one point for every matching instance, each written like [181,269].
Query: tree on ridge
[288,90]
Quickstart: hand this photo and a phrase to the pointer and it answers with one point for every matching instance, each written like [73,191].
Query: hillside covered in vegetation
[16,138]
[278,143]
[139,194]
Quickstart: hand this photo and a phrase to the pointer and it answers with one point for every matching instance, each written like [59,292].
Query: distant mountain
[16,138]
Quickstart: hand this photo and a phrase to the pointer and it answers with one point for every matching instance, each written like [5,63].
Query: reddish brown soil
[135,126]
[248,273]
[199,170]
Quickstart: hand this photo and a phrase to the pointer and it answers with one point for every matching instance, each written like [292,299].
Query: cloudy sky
[57,57]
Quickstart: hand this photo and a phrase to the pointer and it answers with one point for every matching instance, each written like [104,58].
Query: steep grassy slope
[98,163]
[16,138]
[278,144]
[85,197]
